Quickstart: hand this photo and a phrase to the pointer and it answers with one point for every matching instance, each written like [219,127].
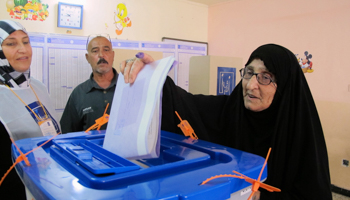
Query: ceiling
[209,2]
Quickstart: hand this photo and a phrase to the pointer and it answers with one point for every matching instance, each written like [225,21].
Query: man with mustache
[89,99]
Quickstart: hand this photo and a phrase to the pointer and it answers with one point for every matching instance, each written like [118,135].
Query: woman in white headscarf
[26,109]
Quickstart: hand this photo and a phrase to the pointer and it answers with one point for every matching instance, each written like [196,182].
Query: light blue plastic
[75,166]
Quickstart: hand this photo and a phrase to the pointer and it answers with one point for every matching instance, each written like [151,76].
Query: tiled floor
[339,197]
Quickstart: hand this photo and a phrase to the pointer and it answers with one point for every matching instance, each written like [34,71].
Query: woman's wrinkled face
[257,97]
[18,51]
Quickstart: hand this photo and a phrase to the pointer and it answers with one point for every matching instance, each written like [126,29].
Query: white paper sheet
[133,129]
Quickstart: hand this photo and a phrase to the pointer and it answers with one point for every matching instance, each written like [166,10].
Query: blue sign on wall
[226,80]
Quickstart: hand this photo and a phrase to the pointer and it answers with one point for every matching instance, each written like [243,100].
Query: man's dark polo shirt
[87,103]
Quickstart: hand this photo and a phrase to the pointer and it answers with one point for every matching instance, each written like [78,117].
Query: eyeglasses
[263,78]
[90,37]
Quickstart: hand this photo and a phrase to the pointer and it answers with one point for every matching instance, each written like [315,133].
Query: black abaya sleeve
[201,111]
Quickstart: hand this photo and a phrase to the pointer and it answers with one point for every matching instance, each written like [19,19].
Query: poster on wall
[226,80]
[305,62]
[34,10]
[121,18]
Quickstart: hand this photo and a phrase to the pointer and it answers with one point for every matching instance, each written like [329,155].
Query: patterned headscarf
[8,75]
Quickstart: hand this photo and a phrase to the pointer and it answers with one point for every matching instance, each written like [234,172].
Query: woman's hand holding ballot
[131,67]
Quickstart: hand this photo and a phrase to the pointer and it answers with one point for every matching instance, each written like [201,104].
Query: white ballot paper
[133,129]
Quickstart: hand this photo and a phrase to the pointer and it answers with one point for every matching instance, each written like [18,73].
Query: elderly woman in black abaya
[271,106]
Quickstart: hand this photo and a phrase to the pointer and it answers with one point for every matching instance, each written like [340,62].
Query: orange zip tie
[100,121]
[23,157]
[256,184]
[186,128]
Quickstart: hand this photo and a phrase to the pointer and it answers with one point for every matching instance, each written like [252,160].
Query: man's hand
[131,67]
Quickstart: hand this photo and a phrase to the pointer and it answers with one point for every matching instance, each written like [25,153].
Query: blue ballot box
[75,166]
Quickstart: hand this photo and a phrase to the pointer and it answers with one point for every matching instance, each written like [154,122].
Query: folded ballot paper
[133,129]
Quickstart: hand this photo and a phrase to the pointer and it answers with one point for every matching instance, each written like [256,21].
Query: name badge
[47,127]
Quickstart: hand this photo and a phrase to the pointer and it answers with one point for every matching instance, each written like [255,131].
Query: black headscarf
[298,163]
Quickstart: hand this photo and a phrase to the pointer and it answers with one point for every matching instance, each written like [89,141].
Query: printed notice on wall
[226,80]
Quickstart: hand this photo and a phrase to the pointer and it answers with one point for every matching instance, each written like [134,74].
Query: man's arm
[70,120]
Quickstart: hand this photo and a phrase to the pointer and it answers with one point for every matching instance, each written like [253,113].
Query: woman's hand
[131,67]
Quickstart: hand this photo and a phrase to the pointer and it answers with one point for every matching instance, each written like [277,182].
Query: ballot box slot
[97,162]
[98,168]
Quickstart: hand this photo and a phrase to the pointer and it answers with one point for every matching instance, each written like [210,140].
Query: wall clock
[70,16]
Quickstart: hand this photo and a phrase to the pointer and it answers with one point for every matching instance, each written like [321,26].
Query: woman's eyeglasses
[90,37]
[263,78]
